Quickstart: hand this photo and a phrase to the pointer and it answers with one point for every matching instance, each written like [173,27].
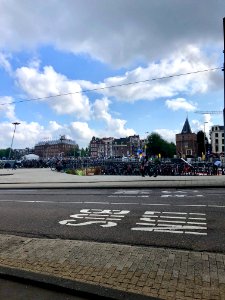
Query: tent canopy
[31,157]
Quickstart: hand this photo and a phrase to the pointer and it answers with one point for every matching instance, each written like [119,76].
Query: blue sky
[61,47]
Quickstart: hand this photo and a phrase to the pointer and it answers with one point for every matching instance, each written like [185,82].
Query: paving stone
[148,271]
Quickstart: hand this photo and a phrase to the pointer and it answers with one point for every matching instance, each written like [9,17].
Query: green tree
[157,145]
[202,142]
[4,153]
[84,152]
[73,152]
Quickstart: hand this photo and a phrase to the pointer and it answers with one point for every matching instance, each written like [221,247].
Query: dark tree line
[156,145]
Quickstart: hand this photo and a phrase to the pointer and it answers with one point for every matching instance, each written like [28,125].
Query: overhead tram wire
[110,87]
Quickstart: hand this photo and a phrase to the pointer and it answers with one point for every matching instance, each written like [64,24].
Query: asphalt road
[190,219]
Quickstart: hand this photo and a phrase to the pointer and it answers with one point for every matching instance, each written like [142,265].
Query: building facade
[112,147]
[186,142]
[55,148]
[217,139]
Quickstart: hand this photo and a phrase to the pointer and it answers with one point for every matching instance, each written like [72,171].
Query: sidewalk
[45,178]
[112,270]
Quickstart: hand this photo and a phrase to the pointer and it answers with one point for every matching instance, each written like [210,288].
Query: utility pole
[204,141]
[224,86]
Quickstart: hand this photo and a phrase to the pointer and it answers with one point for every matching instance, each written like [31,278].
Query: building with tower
[186,142]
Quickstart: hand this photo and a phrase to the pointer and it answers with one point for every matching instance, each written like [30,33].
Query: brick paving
[157,272]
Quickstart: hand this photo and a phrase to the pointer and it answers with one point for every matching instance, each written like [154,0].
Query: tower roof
[186,127]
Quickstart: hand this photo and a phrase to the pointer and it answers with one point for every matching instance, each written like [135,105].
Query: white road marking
[171,221]
[175,213]
[196,233]
[217,206]
[155,221]
[196,223]
[115,203]
[97,216]
[149,204]
[200,214]
[169,217]
[203,219]
[192,205]
[93,202]
[128,203]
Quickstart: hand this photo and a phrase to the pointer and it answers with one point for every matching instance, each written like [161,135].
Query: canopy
[31,157]
[218,163]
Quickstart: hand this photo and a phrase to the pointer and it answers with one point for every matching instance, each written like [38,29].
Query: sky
[104,68]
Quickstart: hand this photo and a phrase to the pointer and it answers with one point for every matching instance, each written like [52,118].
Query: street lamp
[146,142]
[204,139]
[15,124]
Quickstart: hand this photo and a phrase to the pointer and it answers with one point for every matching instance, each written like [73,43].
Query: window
[188,152]
[216,134]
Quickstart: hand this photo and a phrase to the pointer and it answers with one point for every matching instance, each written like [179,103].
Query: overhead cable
[110,87]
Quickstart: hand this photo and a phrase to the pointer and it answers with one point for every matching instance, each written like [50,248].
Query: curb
[69,286]
[111,185]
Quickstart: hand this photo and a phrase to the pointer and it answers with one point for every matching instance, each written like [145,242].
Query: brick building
[111,147]
[55,148]
[186,142]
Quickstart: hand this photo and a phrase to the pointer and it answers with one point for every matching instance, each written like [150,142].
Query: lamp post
[15,124]
[224,86]
[204,139]
[146,142]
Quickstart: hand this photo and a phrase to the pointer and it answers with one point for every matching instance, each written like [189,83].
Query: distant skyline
[66,47]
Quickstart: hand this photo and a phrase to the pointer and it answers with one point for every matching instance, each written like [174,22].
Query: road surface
[190,219]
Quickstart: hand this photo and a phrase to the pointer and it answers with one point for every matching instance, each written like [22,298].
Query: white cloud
[204,125]
[4,63]
[82,133]
[114,127]
[54,126]
[117,32]
[38,84]
[181,62]
[180,103]
[7,108]
[167,134]
[26,135]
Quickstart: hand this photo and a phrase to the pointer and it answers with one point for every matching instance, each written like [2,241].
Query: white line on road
[149,204]
[171,221]
[196,233]
[130,203]
[218,206]
[200,214]
[196,223]
[194,205]
[115,203]
[74,202]
[169,217]
[92,202]
[172,212]
[203,219]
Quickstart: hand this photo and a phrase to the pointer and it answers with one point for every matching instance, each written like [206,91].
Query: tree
[4,153]
[202,142]
[84,152]
[157,145]
[74,152]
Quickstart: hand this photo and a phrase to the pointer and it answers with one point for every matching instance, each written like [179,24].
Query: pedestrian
[216,166]
[142,168]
